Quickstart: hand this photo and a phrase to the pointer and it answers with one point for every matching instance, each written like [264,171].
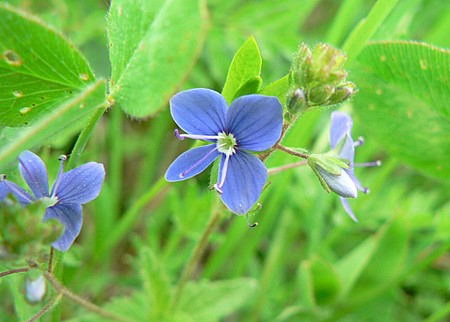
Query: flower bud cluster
[22,231]
[317,79]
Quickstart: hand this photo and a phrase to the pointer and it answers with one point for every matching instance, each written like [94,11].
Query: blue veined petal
[244,182]
[348,150]
[34,172]
[348,209]
[199,111]
[71,216]
[341,124]
[7,187]
[81,184]
[192,162]
[255,121]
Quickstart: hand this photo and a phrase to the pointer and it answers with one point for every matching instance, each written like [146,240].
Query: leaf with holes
[69,115]
[404,102]
[153,45]
[39,68]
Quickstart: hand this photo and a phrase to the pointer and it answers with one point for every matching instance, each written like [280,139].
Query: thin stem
[84,137]
[47,308]
[14,271]
[290,151]
[282,168]
[196,254]
[79,300]
[50,260]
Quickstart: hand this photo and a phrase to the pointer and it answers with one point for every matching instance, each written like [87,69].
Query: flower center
[49,201]
[226,143]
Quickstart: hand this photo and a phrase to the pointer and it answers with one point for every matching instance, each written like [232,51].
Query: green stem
[79,300]
[84,137]
[116,142]
[196,255]
[47,308]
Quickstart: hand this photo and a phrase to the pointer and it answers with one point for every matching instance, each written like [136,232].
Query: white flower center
[49,201]
[226,143]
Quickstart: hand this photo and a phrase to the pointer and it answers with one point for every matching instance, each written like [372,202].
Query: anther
[62,157]
[178,135]
[359,142]
[2,177]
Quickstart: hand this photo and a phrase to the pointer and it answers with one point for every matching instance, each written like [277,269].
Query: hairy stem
[290,151]
[14,271]
[50,305]
[282,168]
[60,289]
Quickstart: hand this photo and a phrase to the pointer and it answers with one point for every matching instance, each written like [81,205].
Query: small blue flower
[252,123]
[340,131]
[70,190]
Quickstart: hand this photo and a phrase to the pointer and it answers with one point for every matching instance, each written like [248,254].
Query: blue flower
[340,136]
[70,190]
[252,123]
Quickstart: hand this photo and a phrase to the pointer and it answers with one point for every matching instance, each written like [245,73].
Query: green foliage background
[306,261]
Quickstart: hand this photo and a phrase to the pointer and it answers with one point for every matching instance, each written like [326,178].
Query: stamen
[61,159]
[218,186]
[195,136]
[2,177]
[358,142]
[184,173]
[368,164]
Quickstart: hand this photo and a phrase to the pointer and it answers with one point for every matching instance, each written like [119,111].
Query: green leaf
[245,67]
[39,68]
[278,88]
[212,301]
[367,27]
[376,262]
[67,115]
[156,284]
[325,281]
[153,46]
[404,102]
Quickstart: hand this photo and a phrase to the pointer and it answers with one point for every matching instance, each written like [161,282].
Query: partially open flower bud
[341,184]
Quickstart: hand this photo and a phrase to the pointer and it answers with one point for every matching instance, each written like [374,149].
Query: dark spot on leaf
[13,58]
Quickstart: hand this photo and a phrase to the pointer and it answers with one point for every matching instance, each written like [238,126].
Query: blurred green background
[307,260]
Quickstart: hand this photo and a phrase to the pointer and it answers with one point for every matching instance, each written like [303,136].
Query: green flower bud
[22,231]
[317,78]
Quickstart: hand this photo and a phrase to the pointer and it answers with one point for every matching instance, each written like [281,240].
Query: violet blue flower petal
[348,150]
[341,124]
[4,190]
[348,209]
[34,172]
[199,111]
[71,216]
[192,162]
[81,184]
[245,180]
[255,121]
[21,194]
